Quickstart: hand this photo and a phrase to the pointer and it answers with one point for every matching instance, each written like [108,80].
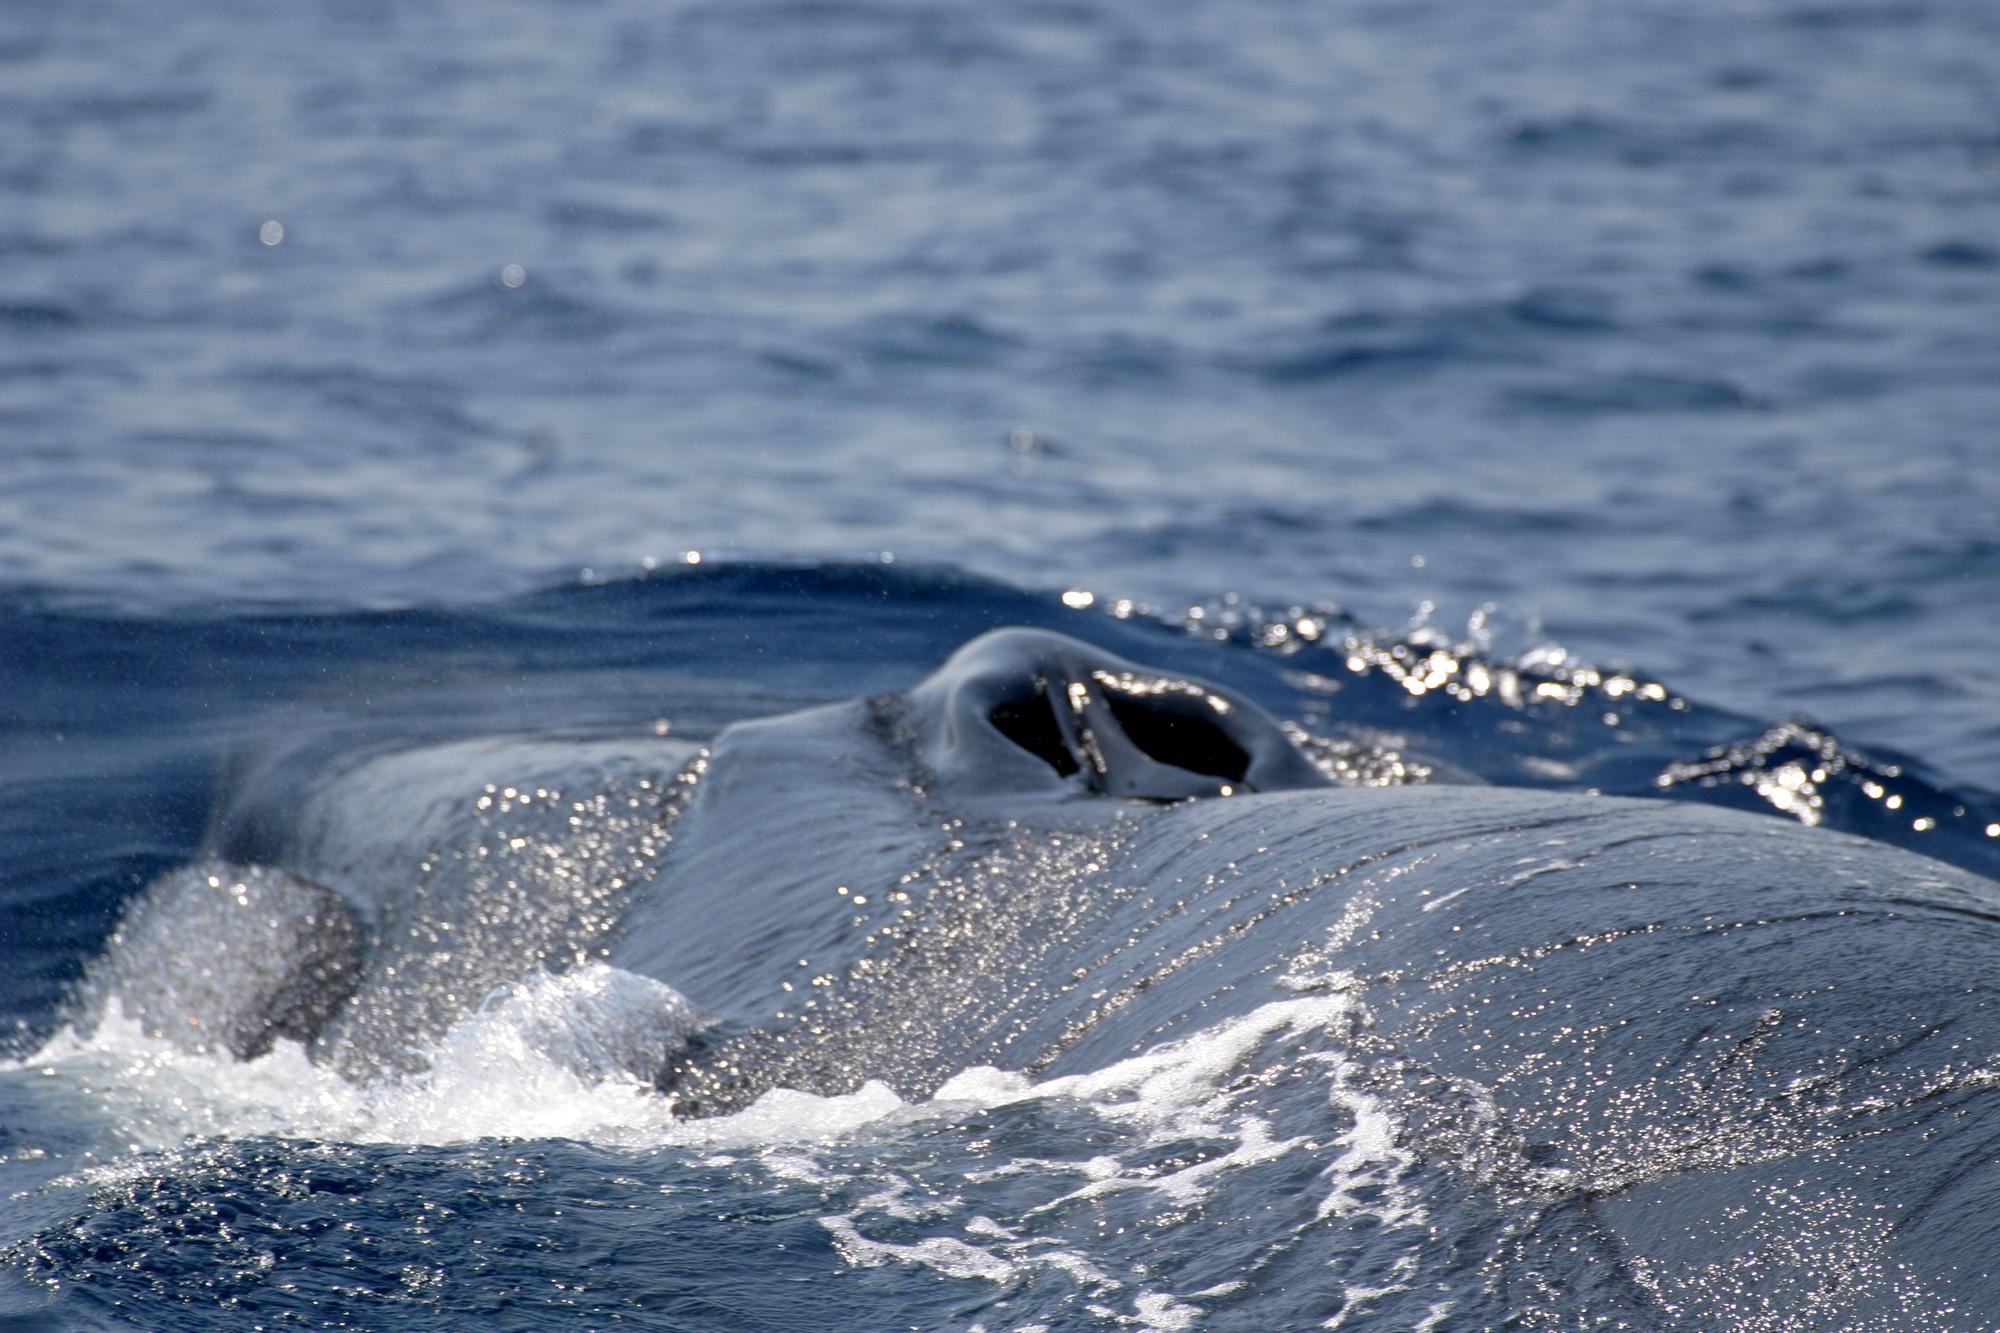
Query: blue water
[378,376]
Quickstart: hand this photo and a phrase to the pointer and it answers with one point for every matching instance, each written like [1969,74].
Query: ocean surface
[1565,397]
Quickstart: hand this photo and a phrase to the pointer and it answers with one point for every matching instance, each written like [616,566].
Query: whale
[1680,1041]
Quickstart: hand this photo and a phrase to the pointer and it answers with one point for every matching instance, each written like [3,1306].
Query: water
[373,377]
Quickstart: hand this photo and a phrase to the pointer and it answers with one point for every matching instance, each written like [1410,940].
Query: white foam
[1187,1087]
[549,1059]
[598,1022]
[545,1059]
[1162,1083]
[951,1257]
[1159,1310]
[983,1085]
[1434,1316]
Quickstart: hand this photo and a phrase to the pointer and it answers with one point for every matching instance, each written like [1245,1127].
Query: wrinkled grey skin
[1751,1064]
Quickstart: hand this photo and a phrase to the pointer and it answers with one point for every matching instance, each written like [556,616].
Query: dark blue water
[1565,397]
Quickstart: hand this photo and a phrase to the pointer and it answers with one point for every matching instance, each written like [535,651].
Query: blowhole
[1179,732]
[1030,723]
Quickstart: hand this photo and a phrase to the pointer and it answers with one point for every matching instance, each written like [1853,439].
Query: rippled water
[346,350]
[1668,325]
